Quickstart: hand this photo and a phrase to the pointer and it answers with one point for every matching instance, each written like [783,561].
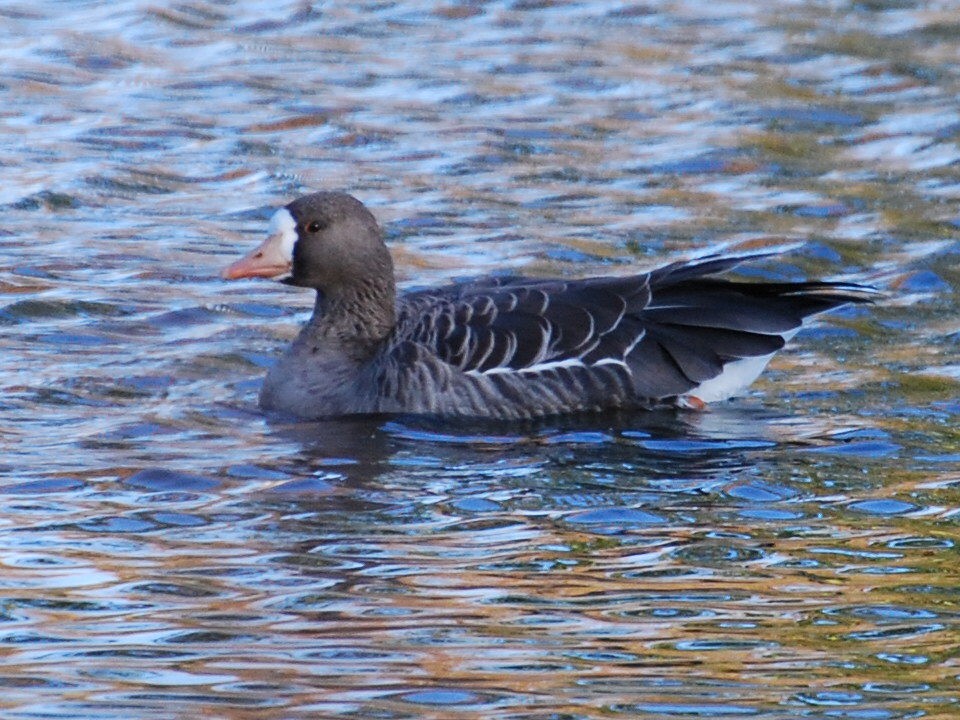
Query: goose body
[513,348]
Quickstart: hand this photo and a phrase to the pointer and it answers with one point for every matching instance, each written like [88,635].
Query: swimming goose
[513,347]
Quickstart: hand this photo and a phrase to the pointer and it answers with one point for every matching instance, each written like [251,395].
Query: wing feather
[672,329]
[531,326]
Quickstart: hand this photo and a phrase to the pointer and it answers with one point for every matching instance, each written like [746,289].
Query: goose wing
[529,326]
[712,337]
[672,330]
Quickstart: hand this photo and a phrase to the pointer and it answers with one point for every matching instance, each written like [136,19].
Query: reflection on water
[169,551]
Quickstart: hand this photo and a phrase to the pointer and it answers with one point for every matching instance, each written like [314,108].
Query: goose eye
[313,227]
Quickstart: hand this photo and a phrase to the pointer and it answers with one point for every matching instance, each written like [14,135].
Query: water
[167,551]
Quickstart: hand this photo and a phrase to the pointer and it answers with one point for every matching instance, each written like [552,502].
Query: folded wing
[673,330]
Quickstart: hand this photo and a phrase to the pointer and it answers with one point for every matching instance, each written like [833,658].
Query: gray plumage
[516,348]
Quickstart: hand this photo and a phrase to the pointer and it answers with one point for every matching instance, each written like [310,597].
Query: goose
[513,348]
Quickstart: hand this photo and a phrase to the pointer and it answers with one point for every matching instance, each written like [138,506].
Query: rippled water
[167,551]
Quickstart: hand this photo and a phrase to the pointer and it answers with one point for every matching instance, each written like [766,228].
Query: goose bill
[267,261]
[274,257]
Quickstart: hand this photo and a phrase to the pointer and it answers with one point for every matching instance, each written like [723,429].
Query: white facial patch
[283,224]
[284,229]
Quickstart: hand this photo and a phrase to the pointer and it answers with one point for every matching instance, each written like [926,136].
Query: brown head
[327,241]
